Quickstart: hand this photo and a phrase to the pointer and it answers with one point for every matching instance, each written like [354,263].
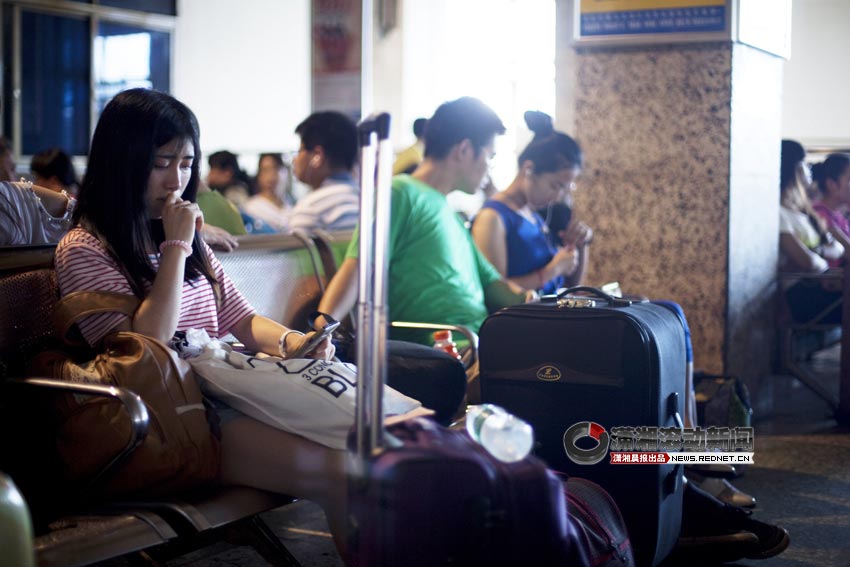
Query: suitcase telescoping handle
[372,292]
[597,293]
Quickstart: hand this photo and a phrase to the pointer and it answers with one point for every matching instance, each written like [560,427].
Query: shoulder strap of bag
[79,304]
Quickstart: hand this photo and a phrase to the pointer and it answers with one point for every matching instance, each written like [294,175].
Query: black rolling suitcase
[421,494]
[572,360]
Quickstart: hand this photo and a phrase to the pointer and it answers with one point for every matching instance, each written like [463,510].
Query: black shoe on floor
[721,489]
[712,549]
[772,540]
[718,470]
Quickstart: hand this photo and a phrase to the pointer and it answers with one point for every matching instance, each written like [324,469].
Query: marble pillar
[681,187]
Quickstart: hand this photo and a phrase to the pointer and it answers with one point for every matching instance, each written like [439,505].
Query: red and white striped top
[83,264]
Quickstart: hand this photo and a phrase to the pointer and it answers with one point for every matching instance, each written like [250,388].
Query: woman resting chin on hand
[137,232]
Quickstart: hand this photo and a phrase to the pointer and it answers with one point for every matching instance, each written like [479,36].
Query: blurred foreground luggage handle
[564,299]
[375,183]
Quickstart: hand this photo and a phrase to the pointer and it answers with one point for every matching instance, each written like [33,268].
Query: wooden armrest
[132,403]
[468,333]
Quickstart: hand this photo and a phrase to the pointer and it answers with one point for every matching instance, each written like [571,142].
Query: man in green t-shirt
[436,274]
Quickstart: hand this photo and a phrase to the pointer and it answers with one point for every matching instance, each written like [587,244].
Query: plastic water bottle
[443,341]
[505,436]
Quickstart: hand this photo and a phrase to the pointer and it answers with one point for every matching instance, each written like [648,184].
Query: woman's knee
[258,455]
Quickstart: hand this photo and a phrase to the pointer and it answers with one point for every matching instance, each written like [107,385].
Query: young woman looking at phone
[137,232]
[514,237]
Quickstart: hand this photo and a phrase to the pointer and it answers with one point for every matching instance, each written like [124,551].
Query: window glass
[54,83]
[126,57]
[167,7]
[6,102]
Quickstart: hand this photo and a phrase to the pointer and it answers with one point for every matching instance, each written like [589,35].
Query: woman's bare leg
[257,455]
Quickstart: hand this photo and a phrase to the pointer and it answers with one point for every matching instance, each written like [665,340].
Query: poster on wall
[651,21]
[336,43]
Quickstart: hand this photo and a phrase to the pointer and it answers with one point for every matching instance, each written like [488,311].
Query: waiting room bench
[71,529]
[279,275]
[798,340]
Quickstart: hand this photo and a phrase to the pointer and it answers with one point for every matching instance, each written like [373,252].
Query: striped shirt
[83,264]
[333,206]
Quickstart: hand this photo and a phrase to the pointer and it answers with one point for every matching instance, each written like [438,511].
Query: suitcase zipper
[588,514]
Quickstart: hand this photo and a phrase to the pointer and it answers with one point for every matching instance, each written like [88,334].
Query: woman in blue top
[514,237]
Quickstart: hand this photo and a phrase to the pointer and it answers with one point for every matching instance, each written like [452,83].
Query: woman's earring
[314,161]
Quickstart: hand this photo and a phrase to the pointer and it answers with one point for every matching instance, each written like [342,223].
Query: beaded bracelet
[187,248]
[281,342]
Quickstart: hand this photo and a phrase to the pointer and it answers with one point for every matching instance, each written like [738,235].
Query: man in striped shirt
[325,162]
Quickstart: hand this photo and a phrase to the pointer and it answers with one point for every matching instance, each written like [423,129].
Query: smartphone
[314,341]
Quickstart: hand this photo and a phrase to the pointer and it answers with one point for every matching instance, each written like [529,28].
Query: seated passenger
[410,157]
[832,180]
[325,162]
[512,235]
[219,212]
[226,177]
[436,273]
[53,169]
[805,244]
[137,233]
[30,214]
[269,204]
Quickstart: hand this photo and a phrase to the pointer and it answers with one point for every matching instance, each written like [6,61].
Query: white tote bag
[311,398]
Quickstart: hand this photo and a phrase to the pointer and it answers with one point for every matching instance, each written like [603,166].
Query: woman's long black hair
[792,154]
[112,202]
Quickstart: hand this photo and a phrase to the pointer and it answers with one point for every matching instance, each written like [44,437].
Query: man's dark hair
[458,120]
[335,132]
[54,163]
[226,160]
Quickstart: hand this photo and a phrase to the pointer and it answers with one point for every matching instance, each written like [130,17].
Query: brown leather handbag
[177,452]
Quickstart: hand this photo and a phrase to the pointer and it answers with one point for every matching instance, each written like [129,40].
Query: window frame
[95,14]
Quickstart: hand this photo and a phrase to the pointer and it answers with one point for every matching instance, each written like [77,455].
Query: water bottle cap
[444,335]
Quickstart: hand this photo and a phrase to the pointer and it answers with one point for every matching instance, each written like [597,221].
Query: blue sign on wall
[663,20]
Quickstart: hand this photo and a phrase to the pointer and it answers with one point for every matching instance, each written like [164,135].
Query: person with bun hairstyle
[832,180]
[513,237]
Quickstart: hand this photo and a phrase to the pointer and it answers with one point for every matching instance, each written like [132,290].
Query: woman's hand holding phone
[316,344]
